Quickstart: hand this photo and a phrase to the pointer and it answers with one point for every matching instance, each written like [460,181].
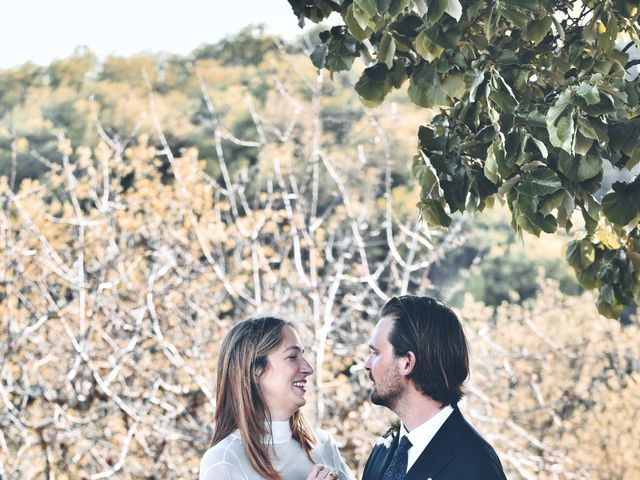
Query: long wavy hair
[239,402]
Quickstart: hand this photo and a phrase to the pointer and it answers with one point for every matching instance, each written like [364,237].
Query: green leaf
[319,55]
[478,79]
[561,129]
[398,6]
[341,49]
[589,93]
[387,50]
[609,310]
[370,7]
[537,30]
[532,5]
[579,168]
[607,36]
[383,6]
[373,85]
[444,37]
[504,101]
[525,223]
[580,254]
[540,182]
[426,177]
[562,134]
[426,48]
[619,209]
[593,128]
[517,18]
[456,190]
[559,107]
[397,75]
[453,84]
[491,163]
[541,146]
[582,143]
[436,9]
[454,9]
[552,202]
[425,89]
[634,159]
[433,212]
[359,23]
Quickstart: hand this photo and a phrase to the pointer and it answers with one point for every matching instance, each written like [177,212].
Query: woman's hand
[319,472]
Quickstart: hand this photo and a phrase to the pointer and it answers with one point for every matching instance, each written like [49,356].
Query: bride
[259,430]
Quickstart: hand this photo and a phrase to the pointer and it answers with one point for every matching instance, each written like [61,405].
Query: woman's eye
[293,357]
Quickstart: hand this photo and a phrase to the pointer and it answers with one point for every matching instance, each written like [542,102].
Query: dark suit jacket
[456,452]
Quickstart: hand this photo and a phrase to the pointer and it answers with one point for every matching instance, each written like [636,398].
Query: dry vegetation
[126,263]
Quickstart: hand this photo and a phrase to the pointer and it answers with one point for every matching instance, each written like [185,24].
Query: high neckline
[281,431]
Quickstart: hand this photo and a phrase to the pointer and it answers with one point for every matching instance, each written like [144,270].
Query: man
[418,363]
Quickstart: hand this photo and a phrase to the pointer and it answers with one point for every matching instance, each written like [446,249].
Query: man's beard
[393,391]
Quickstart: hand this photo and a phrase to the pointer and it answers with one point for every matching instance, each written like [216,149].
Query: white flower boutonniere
[387,439]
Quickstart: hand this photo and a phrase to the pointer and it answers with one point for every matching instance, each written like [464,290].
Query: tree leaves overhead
[534,98]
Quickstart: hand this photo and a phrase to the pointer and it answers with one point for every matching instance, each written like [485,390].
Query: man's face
[383,366]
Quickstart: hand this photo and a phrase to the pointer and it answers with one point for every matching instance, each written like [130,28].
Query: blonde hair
[239,402]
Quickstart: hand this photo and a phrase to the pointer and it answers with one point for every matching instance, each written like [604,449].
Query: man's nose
[367,364]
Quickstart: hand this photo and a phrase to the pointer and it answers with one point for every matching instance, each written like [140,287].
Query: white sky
[43,30]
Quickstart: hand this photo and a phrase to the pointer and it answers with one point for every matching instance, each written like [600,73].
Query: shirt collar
[424,433]
[281,431]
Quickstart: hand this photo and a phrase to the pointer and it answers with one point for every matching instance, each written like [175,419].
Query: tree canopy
[537,106]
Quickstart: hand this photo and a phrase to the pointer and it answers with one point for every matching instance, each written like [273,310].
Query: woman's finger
[317,472]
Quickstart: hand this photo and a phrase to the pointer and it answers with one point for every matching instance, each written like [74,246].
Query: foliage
[147,235]
[554,367]
[493,266]
[535,98]
[126,261]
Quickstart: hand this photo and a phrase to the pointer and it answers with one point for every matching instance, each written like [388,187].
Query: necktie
[398,467]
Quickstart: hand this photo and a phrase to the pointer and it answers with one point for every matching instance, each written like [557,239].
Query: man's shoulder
[478,453]
[468,434]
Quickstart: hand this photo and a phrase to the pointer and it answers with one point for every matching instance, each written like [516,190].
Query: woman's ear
[258,371]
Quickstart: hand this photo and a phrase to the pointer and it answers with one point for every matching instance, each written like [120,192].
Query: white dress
[227,459]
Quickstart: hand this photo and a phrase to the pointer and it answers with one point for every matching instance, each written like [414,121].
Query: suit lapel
[392,451]
[379,460]
[439,451]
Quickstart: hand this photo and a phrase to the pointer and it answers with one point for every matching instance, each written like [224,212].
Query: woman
[259,429]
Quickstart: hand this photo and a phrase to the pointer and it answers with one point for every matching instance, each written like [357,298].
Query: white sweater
[227,459]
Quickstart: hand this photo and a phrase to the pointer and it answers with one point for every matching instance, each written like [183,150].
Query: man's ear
[408,363]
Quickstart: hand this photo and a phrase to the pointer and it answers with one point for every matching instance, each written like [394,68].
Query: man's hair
[429,328]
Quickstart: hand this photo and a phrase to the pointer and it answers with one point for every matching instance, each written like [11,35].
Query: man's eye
[293,357]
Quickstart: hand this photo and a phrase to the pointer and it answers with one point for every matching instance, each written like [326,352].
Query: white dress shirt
[423,434]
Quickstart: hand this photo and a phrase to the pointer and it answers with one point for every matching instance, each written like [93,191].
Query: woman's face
[283,382]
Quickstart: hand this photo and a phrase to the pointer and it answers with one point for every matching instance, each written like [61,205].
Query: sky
[40,31]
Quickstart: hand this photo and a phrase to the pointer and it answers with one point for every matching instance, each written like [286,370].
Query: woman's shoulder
[224,461]
[323,437]
[227,450]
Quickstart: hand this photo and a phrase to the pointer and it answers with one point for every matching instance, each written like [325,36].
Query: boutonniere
[387,439]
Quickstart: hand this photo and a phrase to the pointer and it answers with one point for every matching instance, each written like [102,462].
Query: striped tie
[398,467]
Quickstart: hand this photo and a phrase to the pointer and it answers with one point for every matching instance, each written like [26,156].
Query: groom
[418,364]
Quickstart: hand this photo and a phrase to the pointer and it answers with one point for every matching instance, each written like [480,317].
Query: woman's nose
[306,367]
